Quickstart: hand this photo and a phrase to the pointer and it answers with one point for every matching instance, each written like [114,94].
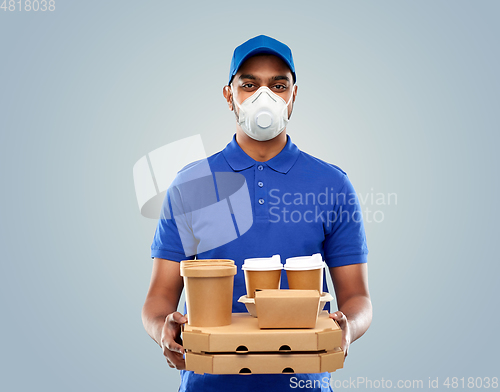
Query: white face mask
[264,114]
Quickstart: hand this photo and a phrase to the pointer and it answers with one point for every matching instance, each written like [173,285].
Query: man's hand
[346,333]
[353,301]
[171,342]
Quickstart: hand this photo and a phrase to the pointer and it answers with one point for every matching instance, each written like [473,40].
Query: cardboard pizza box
[244,335]
[265,363]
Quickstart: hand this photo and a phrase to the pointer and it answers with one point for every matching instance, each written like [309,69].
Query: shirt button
[261,201]
[260,167]
[260,183]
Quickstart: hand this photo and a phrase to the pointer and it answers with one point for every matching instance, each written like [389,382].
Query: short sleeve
[345,238]
[167,242]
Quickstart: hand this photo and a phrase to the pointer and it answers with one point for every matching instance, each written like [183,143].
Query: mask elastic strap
[234,100]
[290,100]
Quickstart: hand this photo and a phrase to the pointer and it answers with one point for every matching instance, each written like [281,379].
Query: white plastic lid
[305,262]
[263,264]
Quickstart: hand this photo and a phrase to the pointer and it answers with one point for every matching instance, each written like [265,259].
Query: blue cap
[257,45]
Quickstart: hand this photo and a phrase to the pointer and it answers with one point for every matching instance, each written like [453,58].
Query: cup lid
[263,264]
[207,269]
[305,262]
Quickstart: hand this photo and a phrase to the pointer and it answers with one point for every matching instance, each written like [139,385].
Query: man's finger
[174,359]
[178,361]
[174,347]
[170,363]
[179,318]
[337,315]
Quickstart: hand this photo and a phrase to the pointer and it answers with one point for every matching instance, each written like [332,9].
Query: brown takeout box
[244,335]
[268,363]
[287,308]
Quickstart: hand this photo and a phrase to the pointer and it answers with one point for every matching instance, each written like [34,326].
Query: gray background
[402,95]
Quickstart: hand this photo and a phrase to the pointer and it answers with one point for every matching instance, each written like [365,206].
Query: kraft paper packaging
[244,335]
[260,280]
[209,291]
[305,272]
[287,308]
[268,363]
[262,273]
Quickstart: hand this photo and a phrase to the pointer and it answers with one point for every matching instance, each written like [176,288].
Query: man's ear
[228,94]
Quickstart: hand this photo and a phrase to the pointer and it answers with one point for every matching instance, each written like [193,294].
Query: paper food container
[268,363]
[243,335]
[209,290]
[250,303]
[287,308]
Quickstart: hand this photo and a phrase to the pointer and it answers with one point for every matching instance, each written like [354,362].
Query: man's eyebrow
[252,77]
[281,77]
[248,76]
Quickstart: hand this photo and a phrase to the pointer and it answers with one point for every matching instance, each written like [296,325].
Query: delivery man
[296,211]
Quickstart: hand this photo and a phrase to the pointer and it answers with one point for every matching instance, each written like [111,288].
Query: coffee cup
[262,273]
[305,272]
[209,291]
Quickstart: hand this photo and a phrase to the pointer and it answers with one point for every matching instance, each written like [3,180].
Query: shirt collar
[239,160]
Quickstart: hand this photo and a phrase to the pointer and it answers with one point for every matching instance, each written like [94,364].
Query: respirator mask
[264,114]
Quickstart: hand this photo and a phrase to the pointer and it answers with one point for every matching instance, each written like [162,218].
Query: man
[296,211]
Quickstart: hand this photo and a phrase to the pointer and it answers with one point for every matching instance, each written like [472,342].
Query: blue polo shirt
[300,205]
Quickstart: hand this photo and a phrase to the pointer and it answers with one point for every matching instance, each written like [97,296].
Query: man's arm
[159,316]
[353,300]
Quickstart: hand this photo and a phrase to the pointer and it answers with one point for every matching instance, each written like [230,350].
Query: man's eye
[247,85]
[280,87]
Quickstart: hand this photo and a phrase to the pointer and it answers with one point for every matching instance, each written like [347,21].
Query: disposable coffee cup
[209,291]
[305,272]
[262,273]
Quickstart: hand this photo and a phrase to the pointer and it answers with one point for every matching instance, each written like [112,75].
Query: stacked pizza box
[285,331]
